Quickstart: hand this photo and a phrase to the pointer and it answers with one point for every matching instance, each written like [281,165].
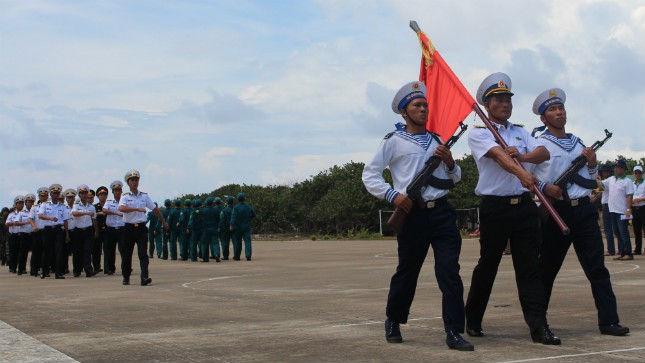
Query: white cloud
[211,160]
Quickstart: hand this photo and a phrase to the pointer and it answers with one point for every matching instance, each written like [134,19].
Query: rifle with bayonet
[571,175]
[423,179]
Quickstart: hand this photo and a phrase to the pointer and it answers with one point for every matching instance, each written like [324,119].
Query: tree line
[335,202]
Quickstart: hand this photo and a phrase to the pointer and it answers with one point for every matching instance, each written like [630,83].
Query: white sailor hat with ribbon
[406,94]
[548,98]
[496,83]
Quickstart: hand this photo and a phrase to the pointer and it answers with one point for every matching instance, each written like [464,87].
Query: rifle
[424,178]
[571,175]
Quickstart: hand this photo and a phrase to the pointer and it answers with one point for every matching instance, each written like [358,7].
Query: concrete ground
[299,301]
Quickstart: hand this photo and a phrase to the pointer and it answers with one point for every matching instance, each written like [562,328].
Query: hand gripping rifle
[571,175]
[424,178]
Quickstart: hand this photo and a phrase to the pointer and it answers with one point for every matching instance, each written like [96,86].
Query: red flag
[448,101]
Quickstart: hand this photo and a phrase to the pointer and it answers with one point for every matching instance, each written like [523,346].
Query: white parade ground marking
[573,355]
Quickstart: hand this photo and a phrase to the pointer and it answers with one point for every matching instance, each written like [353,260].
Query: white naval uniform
[85,221]
[405,155]
[140,200]
[563,152]
[493,180]
[113,220]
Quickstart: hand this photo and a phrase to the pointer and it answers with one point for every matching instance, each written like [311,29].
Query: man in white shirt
[638,209]
[133,206]
[114,223]
[621,192]
[86,230]
[429,222]
[55,216]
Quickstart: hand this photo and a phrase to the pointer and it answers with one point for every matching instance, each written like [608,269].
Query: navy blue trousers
[434,227]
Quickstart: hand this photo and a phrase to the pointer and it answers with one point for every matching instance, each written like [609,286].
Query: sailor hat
[496,83]
[42,191]
[55,188]
[82,188]
[406,94]
[548,98]
[31,197]
[116,185]
[18,199]
[69,193]
[131,174]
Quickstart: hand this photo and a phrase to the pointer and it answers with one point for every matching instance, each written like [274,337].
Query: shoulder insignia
[143,193]
[518,125]
[388,135]
[480,126]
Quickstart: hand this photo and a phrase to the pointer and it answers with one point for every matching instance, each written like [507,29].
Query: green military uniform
[154,234]
[214,242]
[165,233]
[241,219]
[225,226]
[196,228]
[174,230]
[184,238]
[210,220]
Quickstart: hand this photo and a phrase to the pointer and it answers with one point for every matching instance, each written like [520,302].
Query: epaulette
[518,125]
[388,135]
[128,193]
[480,126]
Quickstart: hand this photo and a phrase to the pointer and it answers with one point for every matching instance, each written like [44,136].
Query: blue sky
[199,94]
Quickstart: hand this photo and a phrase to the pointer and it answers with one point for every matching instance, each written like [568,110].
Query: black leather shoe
[248,258]
[545,336]
[126,281]
[614,329]
[217,259]
[225,258]
[392,332]
[146,281]
[456,341]
[77,274]
[60,277]
[98,270]
[474,331]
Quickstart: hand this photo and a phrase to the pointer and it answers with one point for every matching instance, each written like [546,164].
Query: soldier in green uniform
[214,243]
[241,218]
[225,226]
[195,229]
[184,239]
[165,234]
[174,230]
[154,234]
[210,219]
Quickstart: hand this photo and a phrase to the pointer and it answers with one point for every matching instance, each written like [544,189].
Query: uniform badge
[553,93]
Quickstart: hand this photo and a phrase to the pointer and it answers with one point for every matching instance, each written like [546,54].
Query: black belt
[119,227]
[429,204]
[59,226]
[508,199]
[574,202]
[136,225]
[637,206]
[83,229]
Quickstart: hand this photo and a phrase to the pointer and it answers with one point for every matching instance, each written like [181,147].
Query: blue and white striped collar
[567,144]
[424,140]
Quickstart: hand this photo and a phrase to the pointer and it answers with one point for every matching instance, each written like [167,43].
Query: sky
[200,94]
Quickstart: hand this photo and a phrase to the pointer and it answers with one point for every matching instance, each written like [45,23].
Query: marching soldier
[241,218]
[86,230]
[114,223]
[28,229]
[225,226]
[405,151]
[175,231]
[165,233]
[184,239]
[507,211]
[37,241]
[154,234]
[580,215]
[195,229]
[97,250]
[74,245]
[209,236]
[55,216]
[215,248]
[16,222]
[133,206]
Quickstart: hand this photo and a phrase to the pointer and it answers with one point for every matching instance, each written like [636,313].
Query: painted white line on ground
[19,347]
[372,322]
[185,284]
[573,355]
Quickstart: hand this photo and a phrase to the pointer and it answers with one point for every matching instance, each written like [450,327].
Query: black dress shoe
[545,336]
[392,332]
[60,277]
[614,329]
[146,281]
[225,258]
[98,270]
[77,274]
[474,331]
[217,259]
[126,281]
[456,341]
